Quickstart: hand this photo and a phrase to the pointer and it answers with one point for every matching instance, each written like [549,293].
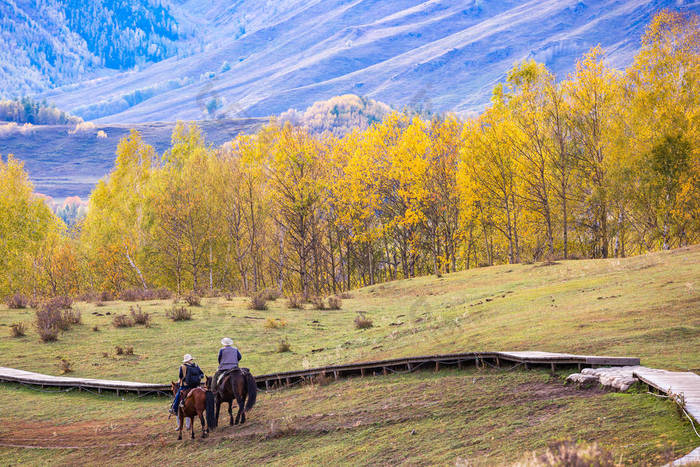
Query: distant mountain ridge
[252,58]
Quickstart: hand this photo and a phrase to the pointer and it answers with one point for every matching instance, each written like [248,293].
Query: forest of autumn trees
[604,163]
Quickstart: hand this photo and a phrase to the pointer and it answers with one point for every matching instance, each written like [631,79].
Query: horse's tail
[210,410]
[252,390]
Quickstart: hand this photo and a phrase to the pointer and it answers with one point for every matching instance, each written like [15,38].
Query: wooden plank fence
[381,367]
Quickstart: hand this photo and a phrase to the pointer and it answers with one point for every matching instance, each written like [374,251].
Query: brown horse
[239,385]
[195,403]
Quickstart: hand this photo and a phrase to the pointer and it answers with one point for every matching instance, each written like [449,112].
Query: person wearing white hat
[229,356]
[190,377]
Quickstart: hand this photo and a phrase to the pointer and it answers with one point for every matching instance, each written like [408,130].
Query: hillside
[56,42]
[254,60]
[63,162]
[645,306]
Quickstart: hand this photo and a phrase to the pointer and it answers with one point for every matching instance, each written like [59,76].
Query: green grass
[646,306]
[484,416]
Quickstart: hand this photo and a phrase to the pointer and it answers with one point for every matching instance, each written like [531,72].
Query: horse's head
[174,387]
[208,383]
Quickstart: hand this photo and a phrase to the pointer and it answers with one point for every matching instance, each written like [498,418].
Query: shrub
[283,346]
[66,366]
[345,295]
[318,303]
[99,303]
[193,299]
[126,350]
[163,293]
[71,317]
[570,454]
[47,324]
[122,321]
[50,318]
[131,295]
[64,302]
[228,296]
[258,302]
[88,297]
[96,328]
[60,302]
[34,302]
[362,322]
[139,316]
[179,313]
[18,329]
[17,301]
[139,294]
[106,296]
[295,301]
[334,303]
[271,323]
[47,334]
[271,294]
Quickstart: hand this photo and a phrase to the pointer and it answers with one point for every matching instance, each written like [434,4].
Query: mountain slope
[440,54]
[46,43]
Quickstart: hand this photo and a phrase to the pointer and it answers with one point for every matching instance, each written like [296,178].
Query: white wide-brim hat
[187,358]
[226,341]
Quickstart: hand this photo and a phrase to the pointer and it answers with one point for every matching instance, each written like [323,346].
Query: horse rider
[190,377]
[229,356]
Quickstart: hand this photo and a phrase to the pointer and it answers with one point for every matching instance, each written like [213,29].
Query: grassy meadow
[477,417]
[646,306]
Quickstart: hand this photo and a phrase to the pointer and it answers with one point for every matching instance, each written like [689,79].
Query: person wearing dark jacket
[229,356]
[190,377]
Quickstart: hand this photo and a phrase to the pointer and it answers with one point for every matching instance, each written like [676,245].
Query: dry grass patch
[362,322]
[122,321]
[283,346]
[258,302]
[65,366]
[193,299]
[295,302]
[139,316]
[335,303]
[274,323]
[18,329]
[179,313]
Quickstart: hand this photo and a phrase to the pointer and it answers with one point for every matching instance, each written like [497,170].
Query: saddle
[184,395]
[231,371]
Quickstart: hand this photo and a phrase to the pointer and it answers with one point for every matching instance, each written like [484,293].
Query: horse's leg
[230,412]
[192,423]
[240,410]
[242,395]
[181,420]
[201,420]
[218,408]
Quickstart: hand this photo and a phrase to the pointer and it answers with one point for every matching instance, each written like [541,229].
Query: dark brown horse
[195,403]
[239,385]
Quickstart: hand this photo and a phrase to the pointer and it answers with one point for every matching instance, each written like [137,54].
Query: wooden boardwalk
[397,365]
[38,379]
[674,383]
